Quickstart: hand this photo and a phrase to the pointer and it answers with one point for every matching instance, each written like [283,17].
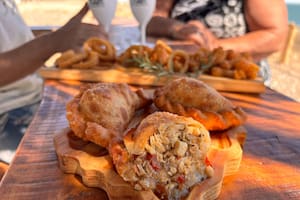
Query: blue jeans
[13,125]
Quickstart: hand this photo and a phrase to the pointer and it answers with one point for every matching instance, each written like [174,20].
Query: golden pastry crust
[165,153]
[193,98]
[102,111]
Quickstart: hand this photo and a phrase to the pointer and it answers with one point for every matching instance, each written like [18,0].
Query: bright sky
[292,1]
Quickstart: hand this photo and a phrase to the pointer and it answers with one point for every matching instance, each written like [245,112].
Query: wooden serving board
[95,167]
[135,76]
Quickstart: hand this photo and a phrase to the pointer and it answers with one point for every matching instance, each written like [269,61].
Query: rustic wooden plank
[269,169]
[135,76]
[94,165]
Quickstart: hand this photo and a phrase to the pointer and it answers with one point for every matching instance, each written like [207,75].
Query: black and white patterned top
[224,18]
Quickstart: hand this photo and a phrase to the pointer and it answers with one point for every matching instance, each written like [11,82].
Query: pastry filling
[174,160]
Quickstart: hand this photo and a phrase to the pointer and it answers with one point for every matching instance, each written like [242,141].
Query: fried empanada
[102,111]
[166,153]
[193,98]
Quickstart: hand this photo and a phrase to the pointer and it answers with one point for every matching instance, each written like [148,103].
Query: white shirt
[13,33]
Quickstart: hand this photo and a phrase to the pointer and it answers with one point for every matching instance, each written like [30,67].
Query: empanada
[102,111]
[193,98]
[165,153]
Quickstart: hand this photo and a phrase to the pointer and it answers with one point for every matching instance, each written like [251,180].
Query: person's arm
[267,22]
[161,25]
[27,58]
[268,25]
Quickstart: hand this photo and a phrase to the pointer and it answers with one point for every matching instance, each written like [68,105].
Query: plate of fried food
[177,141]
[225,70]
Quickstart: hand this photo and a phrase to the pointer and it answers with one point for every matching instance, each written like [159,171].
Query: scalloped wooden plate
[94,165]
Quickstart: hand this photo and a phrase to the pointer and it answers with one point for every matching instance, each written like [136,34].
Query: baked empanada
[102,111]
[193,98]
[165,153]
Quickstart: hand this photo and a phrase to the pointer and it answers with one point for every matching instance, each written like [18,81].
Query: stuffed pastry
[102,111]
[193,98]
[166,153]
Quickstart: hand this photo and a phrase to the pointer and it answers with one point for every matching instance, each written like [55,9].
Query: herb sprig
[147,65]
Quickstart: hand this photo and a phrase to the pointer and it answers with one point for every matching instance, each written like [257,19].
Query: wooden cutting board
[135,76]
[95,167]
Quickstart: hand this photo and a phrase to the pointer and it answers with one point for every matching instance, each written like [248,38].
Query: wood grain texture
[95,167]
[98,171]
[269,169]
[135,76]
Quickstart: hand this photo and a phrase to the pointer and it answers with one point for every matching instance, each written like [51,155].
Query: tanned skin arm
[268,26]
[27,58]
[161,25]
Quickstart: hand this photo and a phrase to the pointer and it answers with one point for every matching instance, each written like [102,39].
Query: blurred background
[285,64]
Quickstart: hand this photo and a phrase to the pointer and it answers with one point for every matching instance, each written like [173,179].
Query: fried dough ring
[178,61]
[134,51]
[91,61]
[106,51]
[68,58]
[64,56]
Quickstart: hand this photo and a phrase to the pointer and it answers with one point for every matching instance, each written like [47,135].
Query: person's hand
[195,31]
[75,32]
[203,36]
[182,31]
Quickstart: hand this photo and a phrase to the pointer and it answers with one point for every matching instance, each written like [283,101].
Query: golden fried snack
[225,65]
[161,53]
[178,61]
[250,69]
[218,71]
[133,52]
[239,74]
[232,55]
[68,58]
[91,61]
[193,98]
[218,55]
[106,51]
[229,73]
[165,154]
[63,57]
[102,111]
[198,59]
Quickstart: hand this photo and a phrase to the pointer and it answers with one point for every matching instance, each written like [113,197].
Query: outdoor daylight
[149,99]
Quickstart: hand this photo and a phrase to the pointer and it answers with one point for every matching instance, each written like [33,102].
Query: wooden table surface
[270,167]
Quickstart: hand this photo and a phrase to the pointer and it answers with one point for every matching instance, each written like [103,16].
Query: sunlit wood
[95,166]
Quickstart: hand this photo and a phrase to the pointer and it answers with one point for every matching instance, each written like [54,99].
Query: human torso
[13,33]
[224,18]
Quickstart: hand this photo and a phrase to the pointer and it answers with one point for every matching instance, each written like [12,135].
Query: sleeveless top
[13,33]
[224,18]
